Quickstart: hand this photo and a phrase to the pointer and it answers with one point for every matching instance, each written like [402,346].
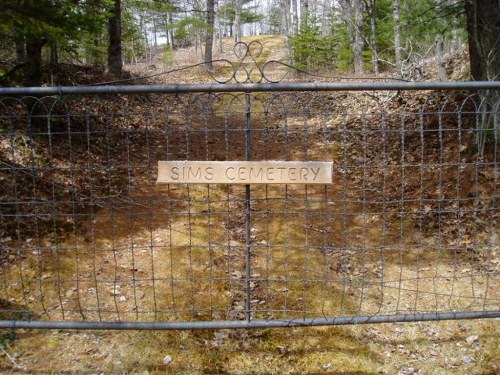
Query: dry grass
[180,250]
[428,348]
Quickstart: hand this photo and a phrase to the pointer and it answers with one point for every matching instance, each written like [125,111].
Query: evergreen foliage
[227,13]
[132,37]
[75,31]
[69,24]
[312,51]
[187,28]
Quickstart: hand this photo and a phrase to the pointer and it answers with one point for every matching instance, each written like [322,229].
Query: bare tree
[20,47]
[353,16]
[440,45]
[304,11]
[371,7]
[286,16]
[295,16]
[440,58]
[209,41]
[483,29]
[115,40]
[397,36]
[238,5]
[34,45]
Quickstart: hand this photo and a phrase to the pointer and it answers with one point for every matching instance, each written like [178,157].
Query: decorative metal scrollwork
[249,68]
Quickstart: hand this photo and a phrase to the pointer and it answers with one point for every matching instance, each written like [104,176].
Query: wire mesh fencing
[407,229]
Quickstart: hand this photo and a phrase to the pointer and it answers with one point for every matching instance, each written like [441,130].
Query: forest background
[337,36]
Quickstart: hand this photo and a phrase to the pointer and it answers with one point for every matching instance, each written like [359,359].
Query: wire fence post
[248,211]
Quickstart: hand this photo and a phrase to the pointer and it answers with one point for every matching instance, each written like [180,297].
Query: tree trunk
[439,51]
[96,56]
[353,16]
[155,36]
[304,12]
[237,21]
[325,23]
[220,28]
[397,37]
[295,17]
[115,40]
[483,30]
[440,58]
[359,41]
[20,47]
[372,10]
[286,16]
[54,55]
[171,31]
[347,14]
[144,35]
[34,46]
[209,42]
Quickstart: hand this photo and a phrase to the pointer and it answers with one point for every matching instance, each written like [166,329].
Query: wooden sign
[245,172]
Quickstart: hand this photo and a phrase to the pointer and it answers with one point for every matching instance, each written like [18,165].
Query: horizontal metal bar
[308,322]
[249,87]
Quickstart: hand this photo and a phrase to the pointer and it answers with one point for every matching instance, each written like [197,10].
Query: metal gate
[407,229]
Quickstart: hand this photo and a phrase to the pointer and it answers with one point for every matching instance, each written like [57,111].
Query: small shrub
[168,57]
[312,51]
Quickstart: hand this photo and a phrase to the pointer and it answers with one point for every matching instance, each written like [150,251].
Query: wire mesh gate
[407,230]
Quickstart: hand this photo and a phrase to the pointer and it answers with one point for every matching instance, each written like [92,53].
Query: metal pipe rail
[249,87]
[244,324]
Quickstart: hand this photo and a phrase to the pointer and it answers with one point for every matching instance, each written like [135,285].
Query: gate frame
[247,89]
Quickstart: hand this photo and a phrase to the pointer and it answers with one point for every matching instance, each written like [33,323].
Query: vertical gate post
[248,209]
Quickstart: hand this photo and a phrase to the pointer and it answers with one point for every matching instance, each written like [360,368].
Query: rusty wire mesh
[408,226]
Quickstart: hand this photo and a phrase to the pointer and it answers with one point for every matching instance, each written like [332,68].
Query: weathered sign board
[245,172]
